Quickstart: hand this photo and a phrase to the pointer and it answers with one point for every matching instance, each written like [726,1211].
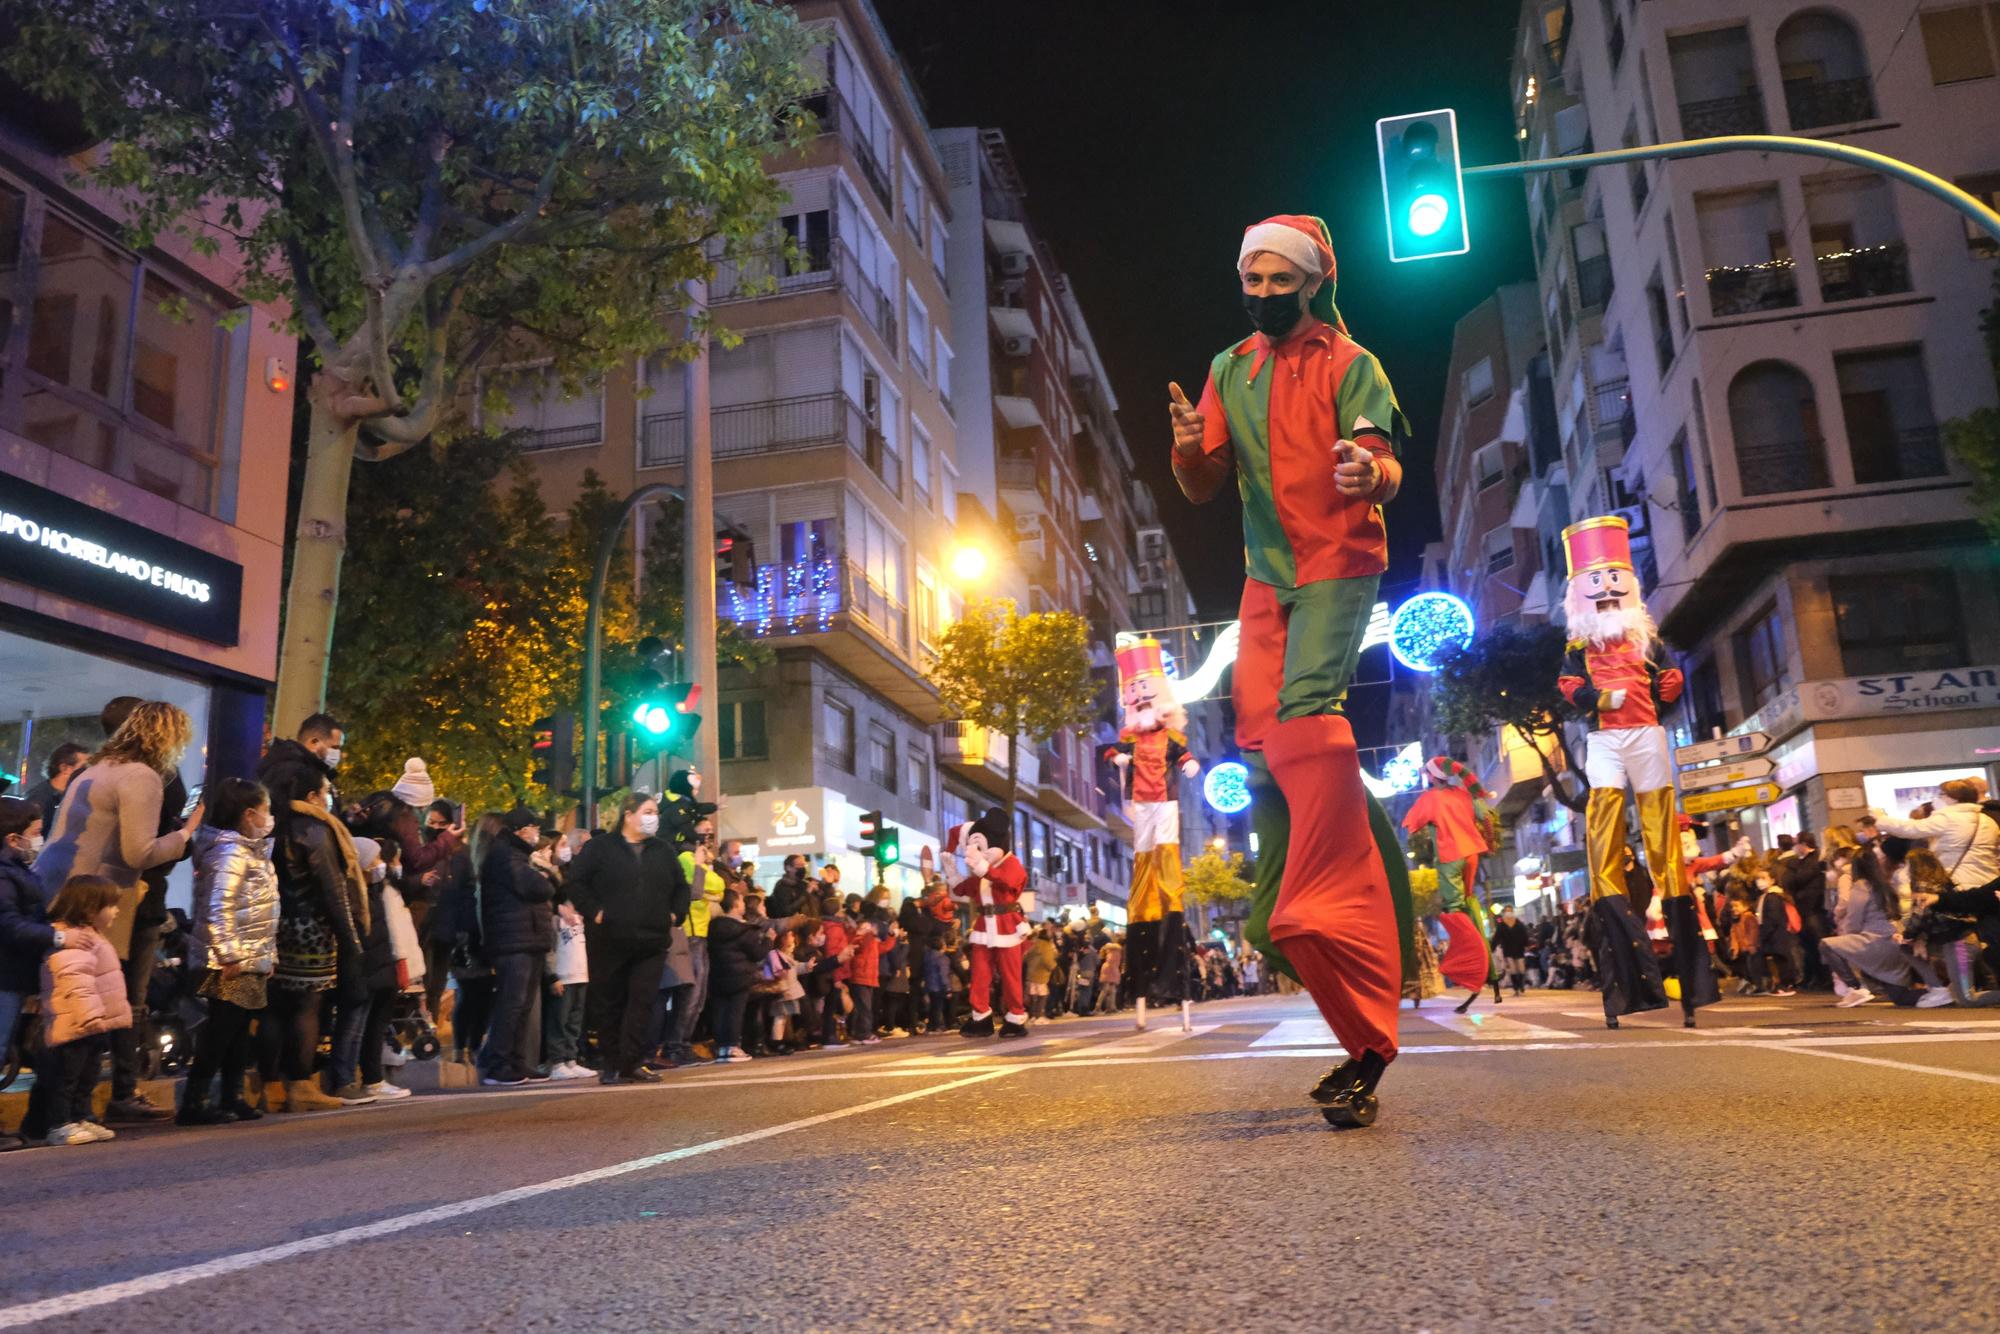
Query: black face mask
[1274,316]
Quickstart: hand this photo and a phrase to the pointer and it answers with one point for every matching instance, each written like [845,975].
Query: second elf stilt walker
[1452,809]
[1614,672]
[1306,419]
[1152,753]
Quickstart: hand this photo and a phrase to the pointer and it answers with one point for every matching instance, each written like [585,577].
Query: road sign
[1730,798]
[1721,775]
[1723,748]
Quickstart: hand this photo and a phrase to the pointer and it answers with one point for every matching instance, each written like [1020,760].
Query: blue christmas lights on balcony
[796,599]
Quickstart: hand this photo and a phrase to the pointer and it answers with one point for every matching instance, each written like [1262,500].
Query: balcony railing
[1772,285]
[875,605]
[1593,281]
[804,597]
[1022,475]
[559,437]
[1898,455]
[776,426]
[1742,114]
[1812,103]
[1771,467]
[1878,270]
[765,274]
[836,116]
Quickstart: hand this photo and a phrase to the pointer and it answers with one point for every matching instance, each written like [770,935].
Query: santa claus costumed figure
[1614,672]
[1450,809]
[1306,419]
[1153,756]
[997,890]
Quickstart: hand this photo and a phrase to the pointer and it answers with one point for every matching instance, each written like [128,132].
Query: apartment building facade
[145,429]
[1750,357]
[835,451]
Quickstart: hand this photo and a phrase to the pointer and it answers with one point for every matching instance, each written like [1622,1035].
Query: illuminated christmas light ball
[1404,773]
[1425,626]
[1227,787]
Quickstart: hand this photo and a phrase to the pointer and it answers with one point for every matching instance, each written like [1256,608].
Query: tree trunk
[1549,770]
[1013,784]
[306,648]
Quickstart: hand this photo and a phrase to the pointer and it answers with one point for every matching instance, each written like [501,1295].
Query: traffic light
[735,556]
[664,716]
[871,833]
[888,846]
[1423,195]
[554,751]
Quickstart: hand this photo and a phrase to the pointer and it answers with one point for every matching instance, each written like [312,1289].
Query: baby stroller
[411,1030]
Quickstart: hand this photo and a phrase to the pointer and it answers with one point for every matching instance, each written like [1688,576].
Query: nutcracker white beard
[1585,621]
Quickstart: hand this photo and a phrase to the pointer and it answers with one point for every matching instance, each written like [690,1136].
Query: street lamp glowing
[969,564]
[1428,213]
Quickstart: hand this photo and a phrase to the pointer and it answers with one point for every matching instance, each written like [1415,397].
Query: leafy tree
[468,600]
[1210,878]
[1425,900]
[1975,438]
[1027,678]
[426,182]
[1507,678]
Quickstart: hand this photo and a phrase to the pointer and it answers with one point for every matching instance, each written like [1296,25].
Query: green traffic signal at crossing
[1423,193]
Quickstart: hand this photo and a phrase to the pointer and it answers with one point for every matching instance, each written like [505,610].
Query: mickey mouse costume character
[1306,419]
[997,891]
[1152,755]
[1614,672]
[1450,808]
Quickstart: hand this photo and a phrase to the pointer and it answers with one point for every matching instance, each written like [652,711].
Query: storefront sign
[780,821]
[1730,798]
[62,546]
[1876,697]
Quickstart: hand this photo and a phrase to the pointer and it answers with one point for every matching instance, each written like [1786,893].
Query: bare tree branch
[506,231]
[321,125]
[381,366]
[430,199]
[343,145]
[306,299]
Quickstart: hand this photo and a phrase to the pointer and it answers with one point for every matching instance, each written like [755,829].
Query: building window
[1958,43]
[919,334]
[913,200]
[1715,83]
[836,739]
[1886,402]
[124,365]
[920,778]
[1984,187]
[1775,421]
[1705,699]
[1663,328]
[1746,252]
[920,460]
[938,238]
[928,627]
[1500,551]
[529,401]
[882,757]
[739,730]
[1857,243]
[1688,493]
[1478,382]
[1825,72]
[1762,660]
[947,491]
[1489,466]
[1908,621]
[943,364]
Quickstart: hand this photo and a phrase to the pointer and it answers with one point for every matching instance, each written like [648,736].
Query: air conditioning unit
[1635,516]
[1027,527]
[1017,346]
[1036,546]
[1014,263]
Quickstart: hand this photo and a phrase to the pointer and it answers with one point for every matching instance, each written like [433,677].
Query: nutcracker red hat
[1602,543]
[1141,659]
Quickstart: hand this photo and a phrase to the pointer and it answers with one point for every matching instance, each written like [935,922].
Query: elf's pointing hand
[1354,471]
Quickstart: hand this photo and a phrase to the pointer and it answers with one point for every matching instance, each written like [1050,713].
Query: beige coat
[109,825]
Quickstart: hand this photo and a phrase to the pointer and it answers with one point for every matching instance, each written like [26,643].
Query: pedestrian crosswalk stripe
[1489,1027]
[1308,1032]
[1139,1044]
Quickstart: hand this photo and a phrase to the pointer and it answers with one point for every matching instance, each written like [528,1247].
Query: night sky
[1151,132]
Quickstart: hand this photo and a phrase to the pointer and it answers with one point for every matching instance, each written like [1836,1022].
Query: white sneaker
[98,1130]
[393,1055]
[572,1070]
[66,1136]
[737,1054]
[1934,997]
[387,1091]
[1840,989]
[1853,997]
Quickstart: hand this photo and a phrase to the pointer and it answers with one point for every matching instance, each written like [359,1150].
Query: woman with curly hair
[109,822]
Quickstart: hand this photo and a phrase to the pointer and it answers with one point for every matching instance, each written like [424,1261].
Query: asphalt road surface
[1787,1165]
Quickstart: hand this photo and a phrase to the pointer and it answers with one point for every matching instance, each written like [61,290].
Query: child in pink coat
[83,1000]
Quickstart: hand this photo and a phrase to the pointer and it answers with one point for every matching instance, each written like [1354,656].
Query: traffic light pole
[593,635]
[1909,174]
[698,624]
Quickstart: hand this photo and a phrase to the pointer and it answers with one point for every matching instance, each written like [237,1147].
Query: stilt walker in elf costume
[1450,809]
[1307,420]
[997,890]
[1614,672]
[1153,755]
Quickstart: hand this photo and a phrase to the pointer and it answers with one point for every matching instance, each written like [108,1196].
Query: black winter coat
[639,888]
[735,955]
[378,952]
[25,933]
[514,898]
[787,896]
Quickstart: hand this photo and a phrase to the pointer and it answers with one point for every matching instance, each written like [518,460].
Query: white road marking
[70,1304]
[1803,1050]
[1309,1032]
[1138,1043]
[1490,1027]
[1723,1009]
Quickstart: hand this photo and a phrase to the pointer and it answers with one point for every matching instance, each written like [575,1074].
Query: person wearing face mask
[235,939]
[517,929]
[629,888]
[1777,930]
[1307,420]
[26,934]
[317,744]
